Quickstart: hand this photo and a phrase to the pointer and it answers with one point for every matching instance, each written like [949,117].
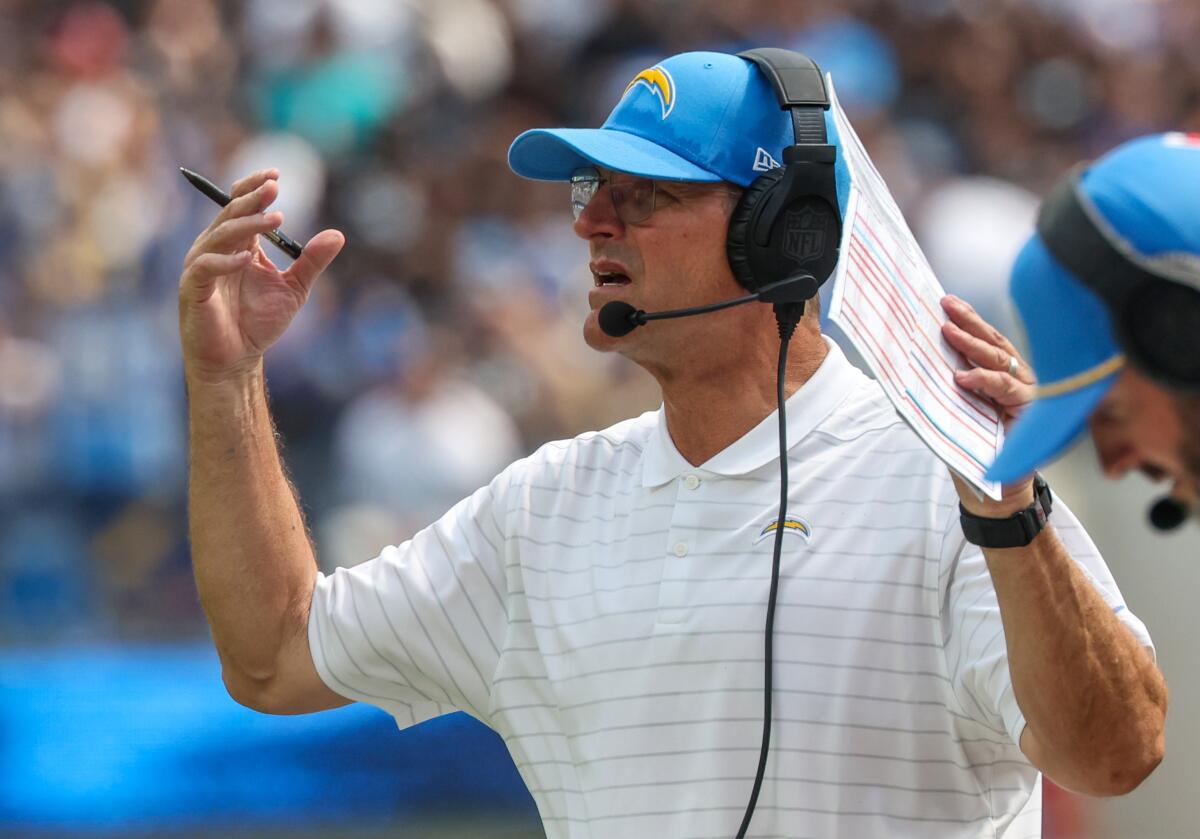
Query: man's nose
[599,217]
[1114,451]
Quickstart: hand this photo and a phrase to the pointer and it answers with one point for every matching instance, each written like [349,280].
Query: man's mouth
[605,278]
[1153,472]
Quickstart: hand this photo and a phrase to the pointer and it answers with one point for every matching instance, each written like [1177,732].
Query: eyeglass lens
[633,200]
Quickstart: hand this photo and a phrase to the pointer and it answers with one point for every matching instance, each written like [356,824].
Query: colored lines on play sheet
[887,301]
[885,278]
[894,324]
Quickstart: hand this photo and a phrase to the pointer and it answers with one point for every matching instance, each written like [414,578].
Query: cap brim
[552,154]
[1045,430]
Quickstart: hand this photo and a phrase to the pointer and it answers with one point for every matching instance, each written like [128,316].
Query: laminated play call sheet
[886,300]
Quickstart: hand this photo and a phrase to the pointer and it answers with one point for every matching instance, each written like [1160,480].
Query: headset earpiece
[744,216]
[1163,323]
[1156,318]
[787,221]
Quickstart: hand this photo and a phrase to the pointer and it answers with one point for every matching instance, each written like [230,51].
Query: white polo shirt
[601,605]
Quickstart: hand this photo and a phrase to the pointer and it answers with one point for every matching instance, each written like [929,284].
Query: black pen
[277,237]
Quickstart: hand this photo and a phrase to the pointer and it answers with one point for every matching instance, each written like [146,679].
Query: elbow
[1124,779]
[267,677]
[1131,758]
[1146,747]
[247,691]
[1125,769]
[256,690]
[1144,760]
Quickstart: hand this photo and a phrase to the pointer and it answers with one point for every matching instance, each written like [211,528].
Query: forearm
[253,561]
[1093,699]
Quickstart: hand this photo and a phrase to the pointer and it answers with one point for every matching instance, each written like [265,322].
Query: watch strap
[1015,531]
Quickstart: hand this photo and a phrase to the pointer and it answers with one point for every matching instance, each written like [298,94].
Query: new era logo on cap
[763,162]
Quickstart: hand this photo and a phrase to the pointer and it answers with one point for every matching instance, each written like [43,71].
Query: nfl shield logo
[804,234]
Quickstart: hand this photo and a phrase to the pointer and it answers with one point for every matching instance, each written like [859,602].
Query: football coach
[1108,289]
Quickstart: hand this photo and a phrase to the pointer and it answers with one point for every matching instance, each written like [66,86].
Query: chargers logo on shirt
[659,82]
[797,527]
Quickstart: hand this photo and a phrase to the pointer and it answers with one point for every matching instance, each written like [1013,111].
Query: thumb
[315,258]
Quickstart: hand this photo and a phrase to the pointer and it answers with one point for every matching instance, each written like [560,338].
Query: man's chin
[1186,492]
[1188,406]
[1189,496]
[597,338]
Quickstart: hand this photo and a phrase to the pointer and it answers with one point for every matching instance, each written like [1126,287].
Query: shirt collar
[806,408]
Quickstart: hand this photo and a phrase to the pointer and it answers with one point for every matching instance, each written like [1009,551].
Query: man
[601,603]
[1114,341]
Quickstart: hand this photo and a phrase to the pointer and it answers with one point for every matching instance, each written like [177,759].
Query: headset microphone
[1167,513]
[787,223]
[620,318]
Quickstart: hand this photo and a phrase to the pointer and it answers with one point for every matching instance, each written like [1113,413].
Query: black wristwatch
[1017,530]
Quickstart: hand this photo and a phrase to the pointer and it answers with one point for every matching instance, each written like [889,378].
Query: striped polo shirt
[601,604]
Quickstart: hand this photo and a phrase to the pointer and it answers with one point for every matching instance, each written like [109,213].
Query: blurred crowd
[444,342]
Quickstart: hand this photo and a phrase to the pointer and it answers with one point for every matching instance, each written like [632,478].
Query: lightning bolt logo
[797,527]
[659,82]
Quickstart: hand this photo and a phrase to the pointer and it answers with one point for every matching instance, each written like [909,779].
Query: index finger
[964,316]
[252,182]
[976,350]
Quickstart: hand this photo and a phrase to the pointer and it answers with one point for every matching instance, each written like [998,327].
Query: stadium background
[443,344]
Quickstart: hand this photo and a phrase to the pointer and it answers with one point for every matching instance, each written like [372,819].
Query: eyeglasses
[633,199]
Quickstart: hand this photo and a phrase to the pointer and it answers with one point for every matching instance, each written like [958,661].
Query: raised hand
[1001,376]
[234,302]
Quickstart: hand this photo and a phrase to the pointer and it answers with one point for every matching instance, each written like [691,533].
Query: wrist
[1017,529]
[245,375]
[232,397]
[1014,501]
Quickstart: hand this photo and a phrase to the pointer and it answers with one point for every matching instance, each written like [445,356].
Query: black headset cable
[787,316]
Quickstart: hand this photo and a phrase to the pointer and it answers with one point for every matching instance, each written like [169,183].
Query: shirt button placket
[671,594]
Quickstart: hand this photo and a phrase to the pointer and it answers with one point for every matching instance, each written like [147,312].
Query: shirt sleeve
[418,629]
[975,647]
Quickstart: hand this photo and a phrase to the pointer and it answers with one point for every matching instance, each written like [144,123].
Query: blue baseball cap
[697,116]
[1146,192]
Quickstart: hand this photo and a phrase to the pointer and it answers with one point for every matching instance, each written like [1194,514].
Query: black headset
[787,221]
[786,230]
[1155,310]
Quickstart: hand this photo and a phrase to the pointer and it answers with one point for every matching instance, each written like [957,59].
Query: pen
[277,237]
